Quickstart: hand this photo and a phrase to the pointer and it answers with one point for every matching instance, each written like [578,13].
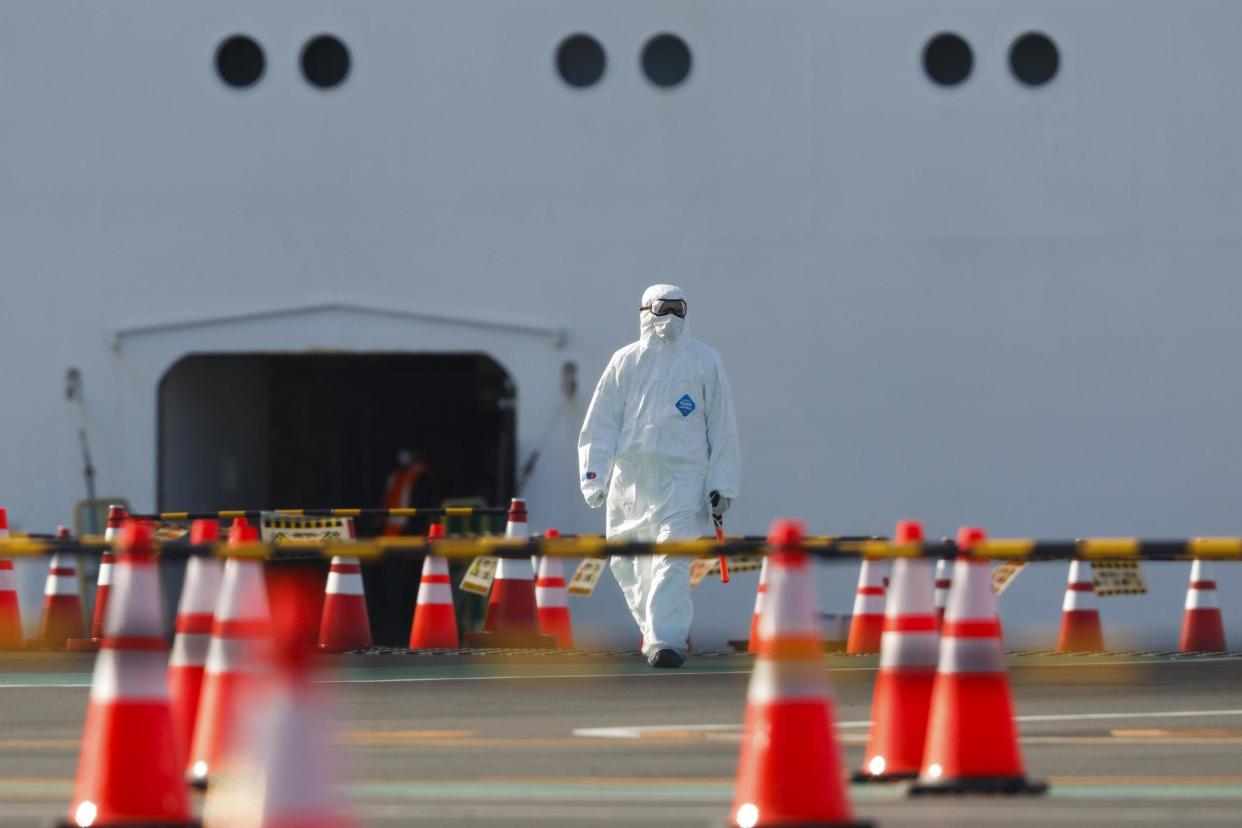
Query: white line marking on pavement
[511,678]
[637,732]
[1071,664]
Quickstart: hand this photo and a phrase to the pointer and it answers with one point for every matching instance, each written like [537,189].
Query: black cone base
[1011,785]
[510,641]
[882,778]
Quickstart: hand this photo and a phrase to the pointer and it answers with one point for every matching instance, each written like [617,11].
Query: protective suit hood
[654,329]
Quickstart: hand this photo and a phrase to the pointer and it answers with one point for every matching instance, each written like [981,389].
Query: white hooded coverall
[659,436]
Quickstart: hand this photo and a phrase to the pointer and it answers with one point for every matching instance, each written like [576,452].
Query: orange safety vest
[400,484]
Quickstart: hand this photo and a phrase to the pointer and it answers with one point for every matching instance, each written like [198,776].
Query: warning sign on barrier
[478,578]
[1118,578]
[170,531]
[1004,574]
[586,576]
[702,567]
[275,528]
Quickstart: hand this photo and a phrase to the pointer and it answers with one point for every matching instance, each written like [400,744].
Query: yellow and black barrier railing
[377,512]
[826,547]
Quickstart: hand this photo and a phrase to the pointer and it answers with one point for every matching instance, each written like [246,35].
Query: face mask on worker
[663,313]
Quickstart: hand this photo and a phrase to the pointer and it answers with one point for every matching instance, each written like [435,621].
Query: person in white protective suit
[659,445]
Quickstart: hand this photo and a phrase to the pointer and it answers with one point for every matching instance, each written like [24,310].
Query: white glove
[596,498]
[720,503]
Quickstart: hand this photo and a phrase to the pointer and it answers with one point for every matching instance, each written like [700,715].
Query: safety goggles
[663,307]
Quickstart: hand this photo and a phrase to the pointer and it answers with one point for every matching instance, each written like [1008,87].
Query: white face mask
[669,328]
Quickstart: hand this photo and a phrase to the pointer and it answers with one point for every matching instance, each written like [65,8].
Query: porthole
[580,60]
[325,61]
[239,61]
[1034,59]
[666,60]
[947,59]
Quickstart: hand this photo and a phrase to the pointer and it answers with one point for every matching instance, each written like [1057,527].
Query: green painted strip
[45,679]
[1197,791]
[538,790]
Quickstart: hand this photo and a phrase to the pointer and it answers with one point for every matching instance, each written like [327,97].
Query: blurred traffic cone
[1080,617]
[752,645]
[62,606]
[512,618]
[11,637]
[868,622]
[127,771]
[944,579]
[237,658]
[103,587]
[435,622]
[972,742]
[789,770]
[552,599]
[1203,630]
[345,625]
[903,685]
[282,773]
[195,612]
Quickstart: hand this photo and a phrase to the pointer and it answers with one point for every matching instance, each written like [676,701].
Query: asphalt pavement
[601,739]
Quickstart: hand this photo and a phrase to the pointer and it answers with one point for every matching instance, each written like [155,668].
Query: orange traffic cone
[944,580]
[903,685]
[1080,617]
[345,625]
[972,742]
[282,774]
[552,599]
[868,622]
[62,606]
[195,612]
[435,622]
[512,618]
[234,677]
[789,770]
[1203,630]
[11,637]
[103,586]
[752,644]
[127,770]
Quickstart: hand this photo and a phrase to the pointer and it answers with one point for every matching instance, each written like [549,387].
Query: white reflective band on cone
[909,649]
[434,593]
[8,582]
[971,655]
[237,655]
[189,650]
[971,598]
[1077,599]
[787,680]
[550,597]
[517,569]
[344,583]
[1201,599]
[243,595]
[126,616]
[795,614]
[132,675]
[105,574]
[868,605]
[435,565]
[202,579]
[908,593]
[61,584]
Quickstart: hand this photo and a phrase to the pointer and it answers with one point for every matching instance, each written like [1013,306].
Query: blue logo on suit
[685,405]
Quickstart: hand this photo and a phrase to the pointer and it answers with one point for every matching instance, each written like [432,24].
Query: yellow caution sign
[1003,575]
[586,576]
[478,578]
[1118,578]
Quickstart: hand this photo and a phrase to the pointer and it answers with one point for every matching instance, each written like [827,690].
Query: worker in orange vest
[402,490]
